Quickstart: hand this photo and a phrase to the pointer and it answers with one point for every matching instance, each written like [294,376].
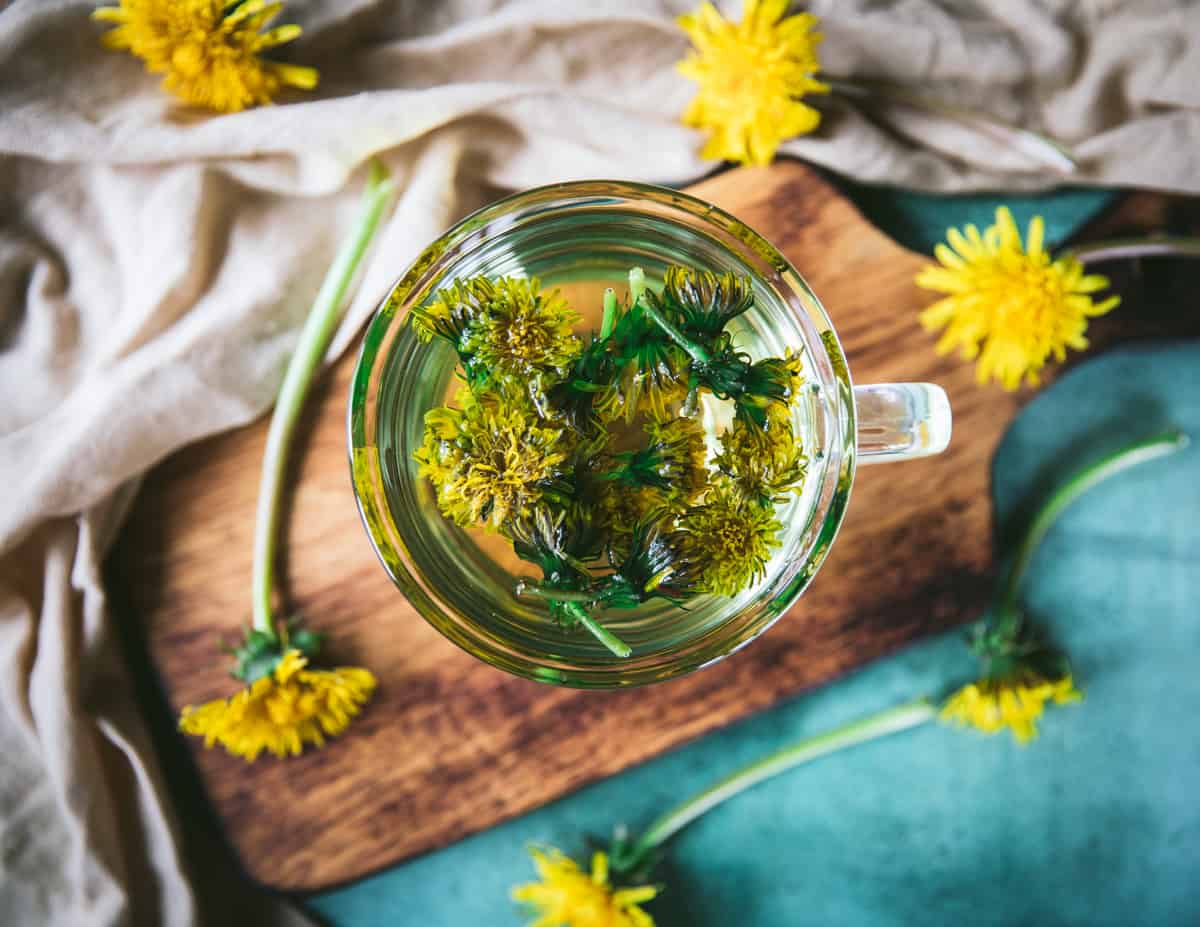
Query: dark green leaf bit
[589,454]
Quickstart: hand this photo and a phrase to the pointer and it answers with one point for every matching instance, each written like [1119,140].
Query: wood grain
[450,746]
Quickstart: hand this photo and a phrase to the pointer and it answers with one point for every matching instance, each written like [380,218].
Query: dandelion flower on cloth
[1014,701]
[567,896]
[752,76]
[284,710]
[1007,303]
[208,50]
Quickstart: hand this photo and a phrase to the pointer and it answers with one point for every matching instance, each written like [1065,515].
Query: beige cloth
[155,264]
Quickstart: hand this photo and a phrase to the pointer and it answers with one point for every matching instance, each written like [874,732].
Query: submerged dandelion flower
[566,896]
[504,330]
[1014,701]
[1008,303]
[703,303]
[208,50]
[752,76]
[732,538]
[490,461]
[672,460]
[284,710]
[763,463]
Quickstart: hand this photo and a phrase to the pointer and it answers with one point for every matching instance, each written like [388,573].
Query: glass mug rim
[834,467]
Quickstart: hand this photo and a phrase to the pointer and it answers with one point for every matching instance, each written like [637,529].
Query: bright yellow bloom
[1015,702]
[208,49]
[284,710]
[752,75]
[1009,304]
[567,896]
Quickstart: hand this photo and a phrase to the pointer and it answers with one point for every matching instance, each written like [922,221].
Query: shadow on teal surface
[919,220]
[1096,823]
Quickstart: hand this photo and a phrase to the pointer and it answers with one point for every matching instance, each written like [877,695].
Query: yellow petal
[1037,232]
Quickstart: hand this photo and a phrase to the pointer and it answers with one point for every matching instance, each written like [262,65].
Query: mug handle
[901,421]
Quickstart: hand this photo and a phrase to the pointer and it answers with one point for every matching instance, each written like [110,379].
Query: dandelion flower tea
[647,456]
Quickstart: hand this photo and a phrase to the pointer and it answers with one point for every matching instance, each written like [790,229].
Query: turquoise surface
[919,220]
[1098,822]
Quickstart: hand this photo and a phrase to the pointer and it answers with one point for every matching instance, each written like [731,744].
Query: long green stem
[1152,246]
[575,603]
[528,587]
[900,718]
[695,352]
[314,339]
[1072,489]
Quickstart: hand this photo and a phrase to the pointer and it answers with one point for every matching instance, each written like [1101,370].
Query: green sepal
[260,651]
[629,863]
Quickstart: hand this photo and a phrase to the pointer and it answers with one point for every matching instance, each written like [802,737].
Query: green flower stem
[873,727]
[637,288]
[1152,246]
[610,312]
[314,339]
[617,646]
[574,602]
[526,587]
[695,352]
[1120,460]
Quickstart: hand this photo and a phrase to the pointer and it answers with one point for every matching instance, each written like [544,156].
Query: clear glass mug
[598,230]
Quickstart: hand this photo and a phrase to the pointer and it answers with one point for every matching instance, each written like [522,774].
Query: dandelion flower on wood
[1014,701]
[209,51]
[752,76]
[566,896]
[283,710]
[1008,303]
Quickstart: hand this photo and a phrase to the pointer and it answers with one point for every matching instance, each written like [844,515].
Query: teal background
[1098,822]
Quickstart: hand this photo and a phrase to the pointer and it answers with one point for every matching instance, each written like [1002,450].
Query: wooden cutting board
[449,745]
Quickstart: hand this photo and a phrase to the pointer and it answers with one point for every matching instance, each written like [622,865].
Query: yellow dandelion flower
[1015,702]
[208,50]
[567,896]
[764,463]
[282,711]
[1007,303]
[490,461]
[731,538]
[752,76]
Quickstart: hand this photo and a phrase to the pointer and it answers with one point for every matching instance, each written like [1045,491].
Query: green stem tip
[297,380]
[637,285]
[610,312]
